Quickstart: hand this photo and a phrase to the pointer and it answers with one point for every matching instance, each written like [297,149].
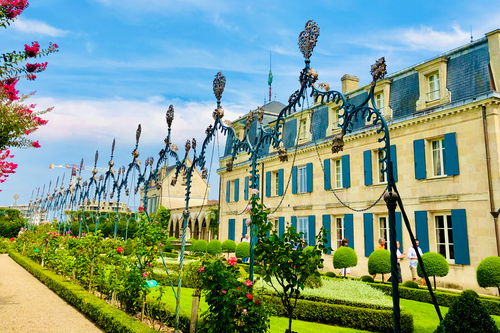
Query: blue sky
[122,62]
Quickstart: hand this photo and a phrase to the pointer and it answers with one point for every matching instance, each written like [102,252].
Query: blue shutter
[228,191]
[368,229]
[346,172]
[244,228]
[327,174]
[349,229]
[460,236]
[422,229]
[419,159]
[450,154]
[312,230]
[294,222]
[309,177]
[231,229]
[328,228]
[245,189]
[394,159]
[281,226]
[237,189]
[268,184]
[399,230]
[294,180]
[281,181]
[367,160]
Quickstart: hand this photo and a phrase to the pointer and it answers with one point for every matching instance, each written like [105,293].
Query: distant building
[104,206]
[200,224]
[34,216]
[444,121]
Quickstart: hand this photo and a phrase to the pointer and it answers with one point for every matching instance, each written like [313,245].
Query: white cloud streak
[37,27]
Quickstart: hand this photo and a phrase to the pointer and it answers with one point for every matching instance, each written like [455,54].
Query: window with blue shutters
[280,182]
[228,191]
[309,173]
[268,184]
[443,154]
[367,167]
[246,188]
[422,229]
[311,230]
[349,229]
[237,189]
[346,171]
[326,221]
[327,174]
[231,229]
[368,233]
[281,226]
[419,159]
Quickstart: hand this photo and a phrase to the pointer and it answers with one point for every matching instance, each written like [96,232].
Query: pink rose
[145,274]
[232,261]
[248,283]
[249,296]
[224,291]
[201,269]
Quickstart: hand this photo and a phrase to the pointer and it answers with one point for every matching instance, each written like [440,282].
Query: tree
[379,262]
[488,273]
[243,250]
[467,314]
[213,217]
[6,168]
[229,246]
[199,246]
[345,257]
[286,264]
[435,265]
[163,216]
[214,247]
[11,220]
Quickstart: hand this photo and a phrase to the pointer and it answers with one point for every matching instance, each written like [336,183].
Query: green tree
[243,250]
[11,221]
[435,265]
[228,246]
[163,216]
[345,257]
[213,217]
[488,273]
[214,247]
[379,262]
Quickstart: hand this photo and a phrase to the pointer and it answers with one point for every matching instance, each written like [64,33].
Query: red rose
[232,261]
[119,249]
[141,209]
[35,144]
[12,239]
[224,291]
[249,296]
[32,51]
[201,269]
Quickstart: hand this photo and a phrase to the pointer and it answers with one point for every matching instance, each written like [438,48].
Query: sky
[123,62]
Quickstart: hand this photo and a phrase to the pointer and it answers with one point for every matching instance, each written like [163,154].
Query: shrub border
[101,313]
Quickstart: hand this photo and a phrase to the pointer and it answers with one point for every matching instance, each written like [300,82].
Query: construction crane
[75,168]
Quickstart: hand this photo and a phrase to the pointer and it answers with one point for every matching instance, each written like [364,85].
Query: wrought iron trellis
[75,194]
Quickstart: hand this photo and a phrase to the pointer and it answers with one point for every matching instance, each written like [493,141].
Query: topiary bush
[345,257]
[379,262]
[467,314]
[229,246]
[168,247]
[411,284]
[435,265]
[199,246]
[330,274]
[488,273]
[243,250]
[367,278]
[214,247]
[314,281]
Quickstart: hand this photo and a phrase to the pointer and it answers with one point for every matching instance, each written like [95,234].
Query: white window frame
[433,87]
[437,153]
[448,241]
[383,231]
[337,173]
[339,230]
[381,175]
[302,129]
[379,101]
[303,226]
[275,176]
[302,179]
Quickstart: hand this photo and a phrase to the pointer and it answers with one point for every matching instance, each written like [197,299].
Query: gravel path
[27,305]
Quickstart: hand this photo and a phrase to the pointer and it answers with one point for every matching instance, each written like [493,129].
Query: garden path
[27,305]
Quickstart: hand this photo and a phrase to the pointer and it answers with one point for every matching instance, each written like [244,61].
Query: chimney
[349,83]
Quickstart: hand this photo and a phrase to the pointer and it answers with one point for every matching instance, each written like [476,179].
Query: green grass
[425,318]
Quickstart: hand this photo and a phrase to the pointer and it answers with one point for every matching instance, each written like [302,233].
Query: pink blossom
[141,209]
[33,50]
[232,261]
[35,144]
[248,221]
[248,283]
[254,191]
[224,291]
[201,269]
[145,274]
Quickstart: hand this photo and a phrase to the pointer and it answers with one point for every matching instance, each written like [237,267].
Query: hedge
[107,317]
[342,315]
[443,298]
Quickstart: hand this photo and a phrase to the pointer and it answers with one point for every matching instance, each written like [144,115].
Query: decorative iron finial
[113,148]
[338,143]
[219,85]
[170,115]
[308,39]
[173,181]
[260,114]
[378,70]
[282,154]
[96,157]
[204,173]
[229,165]
[174,147]
[187,147]
[209,129]
[81,166]
[250,119]
[138,134]
[193,143]
[101,178]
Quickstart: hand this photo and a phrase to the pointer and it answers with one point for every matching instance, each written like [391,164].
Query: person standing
[400,257]
[381,244]
[412,255]
[345,242]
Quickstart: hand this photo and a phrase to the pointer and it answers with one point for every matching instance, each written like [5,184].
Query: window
[382,175]
[437,157]
[302,129]
[303,226]
[276,182]
[444,236]
[302,179]
[339,225]
[383,223]
[433,87]
[337,167]
[335,118]
[379,101]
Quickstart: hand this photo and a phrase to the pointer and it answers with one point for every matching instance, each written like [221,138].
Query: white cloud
[94,121]
[37,27]
[428,38]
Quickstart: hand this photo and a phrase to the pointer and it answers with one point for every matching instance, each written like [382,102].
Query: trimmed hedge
[243,250]
[488,272]
[101,313]
[443,298]
[379,262]
[199,246]
[342,315]
[411,284]
[229,246]
[345,257]
[214,247]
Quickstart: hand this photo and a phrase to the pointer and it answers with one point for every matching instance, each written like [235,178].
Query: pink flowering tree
[19,119]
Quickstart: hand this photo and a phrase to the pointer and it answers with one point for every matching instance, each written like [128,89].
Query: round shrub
[435,265]
[488,272]
[467,314]
[367,278]
[330,274]
[214,247]
[243,250]
[379,262]
[411,284]
[314,281]
[229,246]
[168,247]
[199,246]
[345,257]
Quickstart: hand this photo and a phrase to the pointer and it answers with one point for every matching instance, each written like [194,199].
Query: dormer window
[379,101]
[433,86]
[432,77]
[302,129]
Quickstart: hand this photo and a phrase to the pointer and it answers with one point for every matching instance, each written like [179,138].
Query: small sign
[151,284]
